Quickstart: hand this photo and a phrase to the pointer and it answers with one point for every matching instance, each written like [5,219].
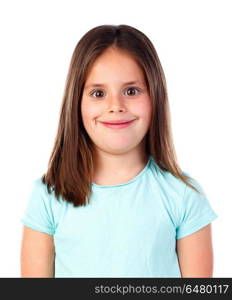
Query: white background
[193,41]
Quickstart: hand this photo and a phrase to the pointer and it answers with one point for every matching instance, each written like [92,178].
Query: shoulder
[188,209]
[41,188]
[39,193]
[176,192]
[166,182]
[41,199]
[38,184]
[174,185]
[43,209]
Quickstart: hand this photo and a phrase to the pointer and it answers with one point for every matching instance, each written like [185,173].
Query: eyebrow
[102,84]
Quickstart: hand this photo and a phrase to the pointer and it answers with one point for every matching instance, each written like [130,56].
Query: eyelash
[139,91]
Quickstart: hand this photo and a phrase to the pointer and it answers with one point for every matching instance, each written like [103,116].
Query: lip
[117,124]
[117,121]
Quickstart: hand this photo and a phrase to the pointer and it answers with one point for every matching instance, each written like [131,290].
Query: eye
[133,88]
[97,93]
[91,94]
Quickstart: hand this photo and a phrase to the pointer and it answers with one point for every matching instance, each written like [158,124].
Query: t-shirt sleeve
[38,214]
[196,211]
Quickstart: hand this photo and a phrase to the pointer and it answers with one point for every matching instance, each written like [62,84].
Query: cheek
[143,110]
[89,113]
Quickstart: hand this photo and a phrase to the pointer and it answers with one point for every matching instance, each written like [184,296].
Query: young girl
[114,202]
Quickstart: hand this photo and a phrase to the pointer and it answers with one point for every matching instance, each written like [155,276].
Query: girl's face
[115,90]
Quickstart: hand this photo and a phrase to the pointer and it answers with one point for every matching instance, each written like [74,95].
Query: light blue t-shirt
[127,230]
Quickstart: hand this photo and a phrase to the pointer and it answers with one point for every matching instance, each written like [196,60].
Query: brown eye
[131,89]
[97,93]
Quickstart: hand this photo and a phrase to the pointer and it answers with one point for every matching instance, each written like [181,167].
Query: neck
[111,169]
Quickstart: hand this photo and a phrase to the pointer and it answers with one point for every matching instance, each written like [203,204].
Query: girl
[114,202]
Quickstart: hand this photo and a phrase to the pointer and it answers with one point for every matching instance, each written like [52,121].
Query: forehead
[114,66]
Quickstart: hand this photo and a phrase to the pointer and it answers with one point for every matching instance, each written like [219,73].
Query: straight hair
[71,163]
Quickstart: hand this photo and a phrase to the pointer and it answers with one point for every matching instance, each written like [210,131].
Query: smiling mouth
[118,125]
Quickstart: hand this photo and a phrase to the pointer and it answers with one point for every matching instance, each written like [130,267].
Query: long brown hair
[71,166]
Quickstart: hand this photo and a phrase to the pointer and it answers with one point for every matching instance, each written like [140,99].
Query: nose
[116,105]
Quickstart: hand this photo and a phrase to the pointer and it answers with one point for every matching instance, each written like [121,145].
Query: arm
[37,254]
[195,253]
